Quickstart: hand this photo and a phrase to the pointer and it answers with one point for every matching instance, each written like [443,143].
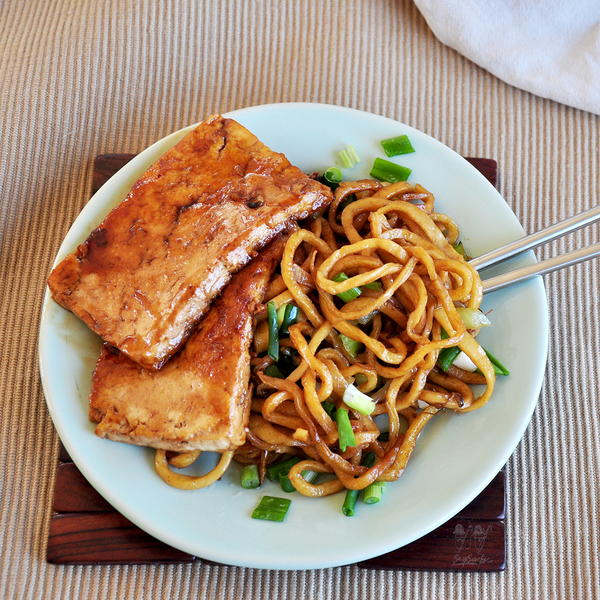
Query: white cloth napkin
[548,47]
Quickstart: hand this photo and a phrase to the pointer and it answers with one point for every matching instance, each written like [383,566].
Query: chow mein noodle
[380,291]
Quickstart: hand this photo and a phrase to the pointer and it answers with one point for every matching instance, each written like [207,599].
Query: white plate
[456,456]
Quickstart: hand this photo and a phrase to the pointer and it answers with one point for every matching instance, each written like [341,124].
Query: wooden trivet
[85,529]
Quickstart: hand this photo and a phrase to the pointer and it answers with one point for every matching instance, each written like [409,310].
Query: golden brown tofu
[199,399]
[147,274]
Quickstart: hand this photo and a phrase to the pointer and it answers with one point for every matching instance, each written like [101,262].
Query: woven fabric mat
[81,78]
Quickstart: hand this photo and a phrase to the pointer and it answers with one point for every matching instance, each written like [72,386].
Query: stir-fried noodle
[388,242]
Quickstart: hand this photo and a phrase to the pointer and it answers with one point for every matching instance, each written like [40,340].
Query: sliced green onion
[273,350]
[346,435]
[353,154]
[280,314]
[499,368]
[329,408]
[349,157]
[350,294]
[286,483]
[333,175]
[290,316]
[275,469]
[447,356]
[352,495]
[384,170]
[274,371]
[358,401]
[460,249]
[464,362]
[249,478]
[373,492]
[397,145]
[374,285]
[351,346]
[473,318]
[309,476]
[345,159]
[271,508]
[350,502]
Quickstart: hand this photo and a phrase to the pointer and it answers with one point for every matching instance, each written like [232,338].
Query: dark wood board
[94,538]
[458,545]
[85,529]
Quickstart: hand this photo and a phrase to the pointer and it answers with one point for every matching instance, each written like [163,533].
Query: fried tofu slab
[144,278]
[199,399]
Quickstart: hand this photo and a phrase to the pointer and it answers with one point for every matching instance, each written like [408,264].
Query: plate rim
[134,516]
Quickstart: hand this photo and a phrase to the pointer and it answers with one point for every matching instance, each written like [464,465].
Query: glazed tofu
[199,399]
[144,278]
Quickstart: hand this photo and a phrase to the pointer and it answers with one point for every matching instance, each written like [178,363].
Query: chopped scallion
[447,356]
[249,478]
[271,508]
[286,483]
[350,503]
[333,176]
[346,435]
[274,371]
[352,347]
[397,145]
[280,314]
[460,249]
[329,408]
[384,170]
[499,368]
[373,492]
[462,361]
[273,350]
[352,495]
[350,294]
[309,476]
[358,401]
[473,318]
[275,469]
[349,157]
[374,285]
[353,154]
[289,318]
